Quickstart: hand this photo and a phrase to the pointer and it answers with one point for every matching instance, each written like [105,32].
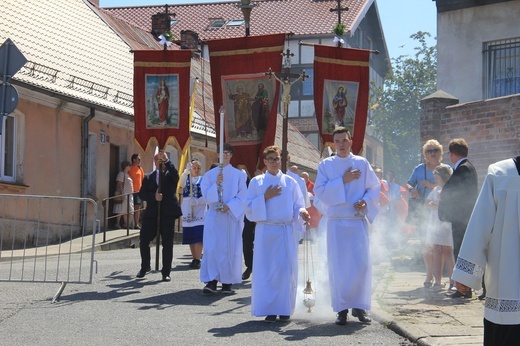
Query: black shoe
[270,319]
[361,315]
[226,289]
[342,318]
[143,272]
[246,274]
[284,318]
[457,294]
[195,264]
[166,278]
[210,288]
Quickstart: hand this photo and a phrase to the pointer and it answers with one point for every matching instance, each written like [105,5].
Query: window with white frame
[8,149]
[502,68]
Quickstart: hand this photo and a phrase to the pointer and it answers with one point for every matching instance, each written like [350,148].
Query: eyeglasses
[227,153]
[432,151]
[273,159]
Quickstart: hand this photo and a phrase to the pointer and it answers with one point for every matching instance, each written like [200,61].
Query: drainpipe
[84,158]
[84,169]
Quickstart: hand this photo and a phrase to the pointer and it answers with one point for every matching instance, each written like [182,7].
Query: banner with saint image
[162,97]
[248,101]
[341,91]
[249,96]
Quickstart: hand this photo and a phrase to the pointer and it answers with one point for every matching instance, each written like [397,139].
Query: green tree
[396,107]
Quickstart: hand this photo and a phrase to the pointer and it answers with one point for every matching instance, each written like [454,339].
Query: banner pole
[158,236]
[314,44]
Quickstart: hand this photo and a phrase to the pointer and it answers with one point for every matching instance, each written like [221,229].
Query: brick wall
[490,127]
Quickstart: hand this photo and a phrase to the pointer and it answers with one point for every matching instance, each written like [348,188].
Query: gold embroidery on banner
[342,62]
[161,64]
[247,51]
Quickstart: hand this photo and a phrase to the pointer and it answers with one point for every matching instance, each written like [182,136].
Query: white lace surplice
[492,242]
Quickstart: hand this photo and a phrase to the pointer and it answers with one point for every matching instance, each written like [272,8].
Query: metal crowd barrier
[47,239]
[106,209]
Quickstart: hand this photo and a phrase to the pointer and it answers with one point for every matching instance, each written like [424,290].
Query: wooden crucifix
[339,9]
[283,79]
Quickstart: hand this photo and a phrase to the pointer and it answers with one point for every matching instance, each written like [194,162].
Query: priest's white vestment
[491,245]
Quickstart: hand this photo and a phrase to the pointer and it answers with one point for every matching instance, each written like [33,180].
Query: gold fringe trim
[161,64]
[248,51]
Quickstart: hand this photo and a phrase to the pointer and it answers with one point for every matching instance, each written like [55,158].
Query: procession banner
[341,91]
[162,98]
[249,96]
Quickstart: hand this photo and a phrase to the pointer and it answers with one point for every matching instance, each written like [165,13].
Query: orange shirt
[137,175]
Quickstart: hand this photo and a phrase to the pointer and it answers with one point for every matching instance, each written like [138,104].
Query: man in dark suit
[159,192]
[458,198]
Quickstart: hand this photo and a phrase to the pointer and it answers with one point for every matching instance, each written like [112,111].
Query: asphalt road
[118,309]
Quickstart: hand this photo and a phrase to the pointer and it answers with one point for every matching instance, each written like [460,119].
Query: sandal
[437,287]
[427,284]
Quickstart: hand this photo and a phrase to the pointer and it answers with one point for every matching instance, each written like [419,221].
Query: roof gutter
[66,98]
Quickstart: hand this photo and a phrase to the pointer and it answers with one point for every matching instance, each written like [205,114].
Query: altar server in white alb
[491,247]
[349,189]
[276,204]
[223,226]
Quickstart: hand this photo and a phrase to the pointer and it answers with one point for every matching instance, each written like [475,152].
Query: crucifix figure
[286,90]
[286,83]
[286,100]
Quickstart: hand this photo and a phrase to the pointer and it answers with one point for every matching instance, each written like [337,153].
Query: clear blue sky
[399,18]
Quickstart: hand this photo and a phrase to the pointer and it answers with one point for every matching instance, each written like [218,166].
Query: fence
[47,239]
[107,204]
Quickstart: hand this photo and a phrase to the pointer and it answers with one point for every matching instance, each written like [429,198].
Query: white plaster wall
[460,38]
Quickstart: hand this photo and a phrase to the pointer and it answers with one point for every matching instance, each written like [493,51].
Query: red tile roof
[302,151]
[135,37]
[301,17]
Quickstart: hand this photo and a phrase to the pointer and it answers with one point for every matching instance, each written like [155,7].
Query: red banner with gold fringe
[162,97]
[249,96]
[341,91]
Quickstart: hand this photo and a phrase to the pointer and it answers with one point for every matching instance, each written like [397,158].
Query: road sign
[11,99]
[11,59]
